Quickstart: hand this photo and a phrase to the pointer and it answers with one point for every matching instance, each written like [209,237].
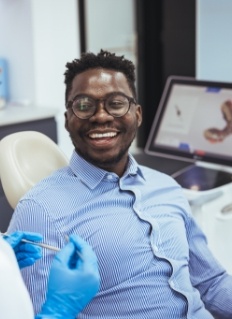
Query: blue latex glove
[73,281]
[26,254]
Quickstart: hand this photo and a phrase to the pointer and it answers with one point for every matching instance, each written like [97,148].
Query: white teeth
[102,135]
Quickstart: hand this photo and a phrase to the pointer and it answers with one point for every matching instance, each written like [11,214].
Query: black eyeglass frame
[69,104]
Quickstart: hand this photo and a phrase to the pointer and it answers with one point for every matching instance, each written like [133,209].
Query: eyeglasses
[115,104]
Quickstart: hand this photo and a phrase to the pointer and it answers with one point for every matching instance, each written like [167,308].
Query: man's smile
[102,139]
[102,135]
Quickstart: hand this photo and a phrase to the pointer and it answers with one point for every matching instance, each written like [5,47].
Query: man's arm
[207,275]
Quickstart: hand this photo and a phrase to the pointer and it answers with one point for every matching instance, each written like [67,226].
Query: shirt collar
[92,175]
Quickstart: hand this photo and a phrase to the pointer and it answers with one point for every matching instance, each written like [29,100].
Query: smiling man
[102,117]
[153,259]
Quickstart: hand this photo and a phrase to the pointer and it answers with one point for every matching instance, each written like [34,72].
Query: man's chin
[102,160]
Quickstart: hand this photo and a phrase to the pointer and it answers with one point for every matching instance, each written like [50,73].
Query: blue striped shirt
[153,259]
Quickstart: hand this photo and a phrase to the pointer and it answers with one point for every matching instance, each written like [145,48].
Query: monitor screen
[193,121]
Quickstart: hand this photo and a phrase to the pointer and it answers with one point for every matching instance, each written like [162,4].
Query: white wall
[16,45]
[38,37]
[214,44]
[56,41]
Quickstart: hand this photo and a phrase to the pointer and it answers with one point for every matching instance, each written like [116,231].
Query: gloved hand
[73,281]
[26,254]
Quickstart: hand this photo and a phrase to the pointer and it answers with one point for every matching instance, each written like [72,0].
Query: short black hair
[103,59]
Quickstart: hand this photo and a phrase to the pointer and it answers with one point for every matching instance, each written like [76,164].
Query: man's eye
[116,103]
[83,106]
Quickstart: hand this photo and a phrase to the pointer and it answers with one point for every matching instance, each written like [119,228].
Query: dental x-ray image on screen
[194,123]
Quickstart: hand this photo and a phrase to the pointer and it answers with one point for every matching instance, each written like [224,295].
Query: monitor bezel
[154,149]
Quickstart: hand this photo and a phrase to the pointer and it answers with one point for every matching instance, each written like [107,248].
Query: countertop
[15,113]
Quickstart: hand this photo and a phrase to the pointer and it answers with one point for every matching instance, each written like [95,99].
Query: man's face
[102,139]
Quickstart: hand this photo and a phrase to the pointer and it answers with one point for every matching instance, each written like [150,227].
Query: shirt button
[109,177]
[155,249]
[171,283]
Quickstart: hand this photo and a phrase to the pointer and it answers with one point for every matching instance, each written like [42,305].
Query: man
[73,281]
[153,259]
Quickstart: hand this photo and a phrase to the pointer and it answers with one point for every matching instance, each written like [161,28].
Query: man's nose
[101,115]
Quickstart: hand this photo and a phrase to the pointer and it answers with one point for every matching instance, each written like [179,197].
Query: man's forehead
[100,76]
[101,72]
[99,81]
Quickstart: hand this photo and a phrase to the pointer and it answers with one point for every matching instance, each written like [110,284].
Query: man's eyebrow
[92,97]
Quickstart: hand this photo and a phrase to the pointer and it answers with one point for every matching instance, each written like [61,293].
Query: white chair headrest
[26,158]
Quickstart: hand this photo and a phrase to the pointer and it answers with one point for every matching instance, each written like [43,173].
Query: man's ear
[66,121]
[139,115]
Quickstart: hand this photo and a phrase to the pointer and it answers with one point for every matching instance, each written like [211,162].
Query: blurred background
[162,37]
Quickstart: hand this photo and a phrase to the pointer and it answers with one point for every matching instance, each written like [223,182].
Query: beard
[104,163]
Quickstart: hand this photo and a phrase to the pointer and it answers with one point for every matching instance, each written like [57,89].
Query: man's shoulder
[151,173]
[52,183]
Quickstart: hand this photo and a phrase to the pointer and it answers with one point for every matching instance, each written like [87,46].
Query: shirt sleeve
[30,216]
[207,275]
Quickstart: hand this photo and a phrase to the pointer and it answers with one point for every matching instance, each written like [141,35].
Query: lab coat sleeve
[14,298]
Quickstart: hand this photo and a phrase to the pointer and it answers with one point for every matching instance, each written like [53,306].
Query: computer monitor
[194,123]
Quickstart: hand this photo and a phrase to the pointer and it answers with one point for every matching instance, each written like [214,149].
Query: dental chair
[26,158]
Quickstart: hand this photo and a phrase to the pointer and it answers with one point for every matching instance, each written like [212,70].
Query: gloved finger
[20,257]
[14,238]
[32,236]
[65,255]
[85,249]
[78,242]
[26,262]
[33,251]
[28,248]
